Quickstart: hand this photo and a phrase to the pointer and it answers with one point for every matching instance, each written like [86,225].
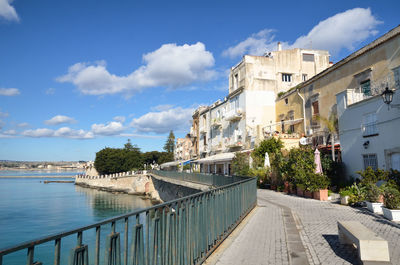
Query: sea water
[30,209]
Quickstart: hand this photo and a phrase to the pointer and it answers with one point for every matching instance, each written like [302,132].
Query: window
[366,88]
[291,118]
[396,74]
[370,160]
[286,78]
[395,159]
[235,81]
[283,126]
[286,101]
[369,126]
[304,77]
[315,108]
[308,57]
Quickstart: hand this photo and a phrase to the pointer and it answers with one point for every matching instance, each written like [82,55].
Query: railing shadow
[346,252]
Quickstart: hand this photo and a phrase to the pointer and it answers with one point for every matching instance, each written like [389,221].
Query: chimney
[279,46]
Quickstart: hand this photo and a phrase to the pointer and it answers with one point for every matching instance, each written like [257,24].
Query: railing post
[57,251]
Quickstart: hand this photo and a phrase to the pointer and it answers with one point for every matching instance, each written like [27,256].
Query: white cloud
[170,66]
[112,128]
[42,132]
[343,30]
[9,91]
[64,132]
[162,107]
[59,119]
[23,125]
[164,121]
[10,132]
[257,44]
[67,132]
[3,114]
[7,11]
[120,119]
[50,91]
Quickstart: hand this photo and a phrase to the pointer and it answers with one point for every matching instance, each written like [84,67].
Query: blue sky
[77,76]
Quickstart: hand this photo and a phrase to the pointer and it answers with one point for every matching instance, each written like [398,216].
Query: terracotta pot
[286,187]
[292,189]
[321,195]
[299,192]
[308,194]
[380,198]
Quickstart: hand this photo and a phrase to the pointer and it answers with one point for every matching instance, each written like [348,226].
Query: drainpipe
[304,113]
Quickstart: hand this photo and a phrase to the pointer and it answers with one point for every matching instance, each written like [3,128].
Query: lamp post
[387,96]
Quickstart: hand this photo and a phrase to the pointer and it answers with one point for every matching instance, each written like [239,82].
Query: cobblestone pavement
[262,240]
[317,222]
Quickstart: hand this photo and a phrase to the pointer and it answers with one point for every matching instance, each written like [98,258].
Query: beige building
[236,123]
[183,149]
[362,74]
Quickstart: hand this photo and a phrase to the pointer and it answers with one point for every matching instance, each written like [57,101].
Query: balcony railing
[181,231]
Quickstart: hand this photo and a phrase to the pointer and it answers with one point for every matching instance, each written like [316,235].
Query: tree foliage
[270,146]
[170,143]
[115,160]
[240,164]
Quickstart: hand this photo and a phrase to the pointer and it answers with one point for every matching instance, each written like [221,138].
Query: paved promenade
[286,229]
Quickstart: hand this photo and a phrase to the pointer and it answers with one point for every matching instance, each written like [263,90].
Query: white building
[369,129]
[235,123]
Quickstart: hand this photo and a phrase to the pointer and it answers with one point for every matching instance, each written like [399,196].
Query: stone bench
[371,247]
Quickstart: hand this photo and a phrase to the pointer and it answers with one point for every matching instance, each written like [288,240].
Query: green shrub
[346,191]
[356,197]
[391,197]
[394,177]
[317,182]
[262,175]
[300,166]
[372,176]
[372,192]
[240,164]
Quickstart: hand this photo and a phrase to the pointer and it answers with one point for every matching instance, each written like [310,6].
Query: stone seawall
[141,185]
[157,189]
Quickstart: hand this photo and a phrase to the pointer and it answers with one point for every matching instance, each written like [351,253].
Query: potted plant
[372,197]
[345,194]
[391,196]
[300,190]
[319,186]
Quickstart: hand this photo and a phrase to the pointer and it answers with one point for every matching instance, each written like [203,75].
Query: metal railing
[200,178]
[182,231]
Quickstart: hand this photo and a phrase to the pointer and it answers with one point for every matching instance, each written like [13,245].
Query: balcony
[234,115]
[202,130]
[217,146]
[204,149]
[233,144]
[216,123]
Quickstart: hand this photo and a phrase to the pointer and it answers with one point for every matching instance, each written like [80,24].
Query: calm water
[30,209]
[50,173]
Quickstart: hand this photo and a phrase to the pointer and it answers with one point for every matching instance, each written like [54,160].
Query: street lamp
[387,96]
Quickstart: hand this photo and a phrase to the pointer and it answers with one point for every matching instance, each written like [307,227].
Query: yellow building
[364,73]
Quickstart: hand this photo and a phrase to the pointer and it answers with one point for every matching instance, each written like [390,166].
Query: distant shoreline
[1,177]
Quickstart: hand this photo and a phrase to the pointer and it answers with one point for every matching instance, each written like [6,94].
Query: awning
[224,157]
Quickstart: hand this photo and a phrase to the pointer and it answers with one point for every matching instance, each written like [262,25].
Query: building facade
[362,74]
[368,131]
[247,114]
